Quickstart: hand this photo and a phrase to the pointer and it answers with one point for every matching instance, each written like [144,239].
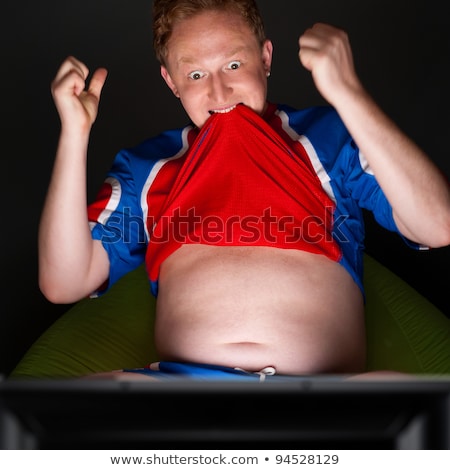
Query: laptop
[313,412]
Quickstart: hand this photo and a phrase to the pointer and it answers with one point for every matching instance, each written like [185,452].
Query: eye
[234,65]
[196,75]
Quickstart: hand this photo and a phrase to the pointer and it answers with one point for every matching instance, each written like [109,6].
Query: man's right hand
[77,104]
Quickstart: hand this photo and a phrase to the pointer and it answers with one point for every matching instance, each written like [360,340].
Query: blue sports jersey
[132,199]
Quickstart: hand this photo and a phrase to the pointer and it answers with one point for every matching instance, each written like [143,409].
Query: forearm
[67,253]
[415,187]
[417,190]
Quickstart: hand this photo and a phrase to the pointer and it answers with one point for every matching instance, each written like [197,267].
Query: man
[249,218]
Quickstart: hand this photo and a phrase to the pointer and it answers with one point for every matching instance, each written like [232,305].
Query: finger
[97,81]
[319,35]
[72,83]
[309,43]
[70,76]
[321,41]
[72,64]
[306,56]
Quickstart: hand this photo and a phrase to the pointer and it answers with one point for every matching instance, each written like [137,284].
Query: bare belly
[253,307]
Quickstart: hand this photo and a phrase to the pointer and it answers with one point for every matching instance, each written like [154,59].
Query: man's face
[214,63]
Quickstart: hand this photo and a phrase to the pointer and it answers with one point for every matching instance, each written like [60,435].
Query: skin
[247,307]
[205,80]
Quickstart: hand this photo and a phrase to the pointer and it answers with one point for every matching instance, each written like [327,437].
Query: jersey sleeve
[116,219]
[365,189]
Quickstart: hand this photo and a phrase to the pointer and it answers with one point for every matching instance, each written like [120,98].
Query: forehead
[210,34]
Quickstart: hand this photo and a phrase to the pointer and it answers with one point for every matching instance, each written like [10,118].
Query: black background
[401,51]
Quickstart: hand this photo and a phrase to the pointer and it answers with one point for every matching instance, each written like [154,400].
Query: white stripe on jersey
[311,152]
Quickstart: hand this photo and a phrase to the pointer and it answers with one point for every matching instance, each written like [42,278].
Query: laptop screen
[309,412]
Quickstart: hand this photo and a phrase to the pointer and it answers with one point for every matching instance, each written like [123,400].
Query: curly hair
[166,13]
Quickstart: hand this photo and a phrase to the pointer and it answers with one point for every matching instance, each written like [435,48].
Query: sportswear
[168,370]
[288,179]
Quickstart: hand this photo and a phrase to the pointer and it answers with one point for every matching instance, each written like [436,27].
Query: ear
[168,79]
[267,52]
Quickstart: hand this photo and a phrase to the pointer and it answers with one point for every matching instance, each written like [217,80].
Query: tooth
[222,111]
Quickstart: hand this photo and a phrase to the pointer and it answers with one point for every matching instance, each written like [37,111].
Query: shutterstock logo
[188,226]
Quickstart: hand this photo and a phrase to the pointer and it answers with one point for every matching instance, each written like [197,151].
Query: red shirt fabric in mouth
[239,184]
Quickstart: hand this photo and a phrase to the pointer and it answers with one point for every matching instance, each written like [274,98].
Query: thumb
[97,81]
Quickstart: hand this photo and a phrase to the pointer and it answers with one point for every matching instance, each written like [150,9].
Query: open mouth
[222,110]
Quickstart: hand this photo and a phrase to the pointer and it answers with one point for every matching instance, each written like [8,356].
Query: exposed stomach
[253,307]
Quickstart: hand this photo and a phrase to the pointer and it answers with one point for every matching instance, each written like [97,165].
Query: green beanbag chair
[405,332]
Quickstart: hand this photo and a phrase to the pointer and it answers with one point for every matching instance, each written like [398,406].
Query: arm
[71,264]
[415,187]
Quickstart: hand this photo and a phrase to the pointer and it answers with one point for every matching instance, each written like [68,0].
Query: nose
[220,89]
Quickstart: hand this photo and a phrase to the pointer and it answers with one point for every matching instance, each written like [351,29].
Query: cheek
[258,90]
[193,110]
[189,99]
[258,82]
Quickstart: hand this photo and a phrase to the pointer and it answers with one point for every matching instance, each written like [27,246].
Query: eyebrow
[191,60]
